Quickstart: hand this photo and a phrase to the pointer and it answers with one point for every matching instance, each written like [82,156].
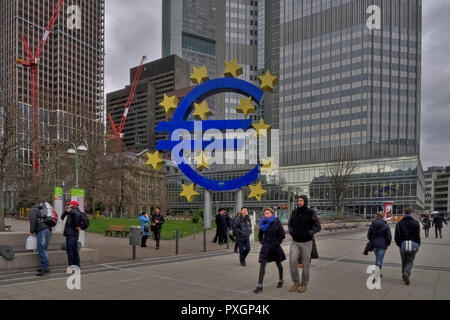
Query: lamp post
[73,150]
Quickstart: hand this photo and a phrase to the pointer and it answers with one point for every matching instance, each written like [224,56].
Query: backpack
[84,221]
[48,214]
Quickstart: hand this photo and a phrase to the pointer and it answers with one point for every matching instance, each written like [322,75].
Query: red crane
[32,62]
[117,131]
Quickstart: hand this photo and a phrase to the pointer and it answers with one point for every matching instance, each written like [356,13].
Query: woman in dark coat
[271,235]
[380,235]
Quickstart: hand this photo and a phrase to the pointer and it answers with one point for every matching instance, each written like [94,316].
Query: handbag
[410,246]
[31,243]
[368,248]
[146,228]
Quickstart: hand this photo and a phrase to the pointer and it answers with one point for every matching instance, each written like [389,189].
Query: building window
[200,45]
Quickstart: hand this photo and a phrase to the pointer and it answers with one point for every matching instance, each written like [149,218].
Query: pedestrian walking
[407,238]
[236,249]
[72,227]
[43,232]
[221,227]
[426,223]
[271,235]
[314,252]
[144,219]
[380,236]
[242,228]
[437,224]
[303,224]
[229,223]
[157,221]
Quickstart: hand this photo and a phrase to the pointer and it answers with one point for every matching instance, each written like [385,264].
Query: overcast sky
[133,29]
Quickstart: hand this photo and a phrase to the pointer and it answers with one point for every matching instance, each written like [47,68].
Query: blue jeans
[379,256]
[73,254]
[43,238]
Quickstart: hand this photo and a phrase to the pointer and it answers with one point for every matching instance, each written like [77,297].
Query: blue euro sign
[179,121]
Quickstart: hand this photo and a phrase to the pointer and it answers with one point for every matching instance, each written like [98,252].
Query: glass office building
[237,38]
[275,197]
[189,31]
[345,87]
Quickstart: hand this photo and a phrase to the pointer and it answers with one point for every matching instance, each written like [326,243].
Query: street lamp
[74,150]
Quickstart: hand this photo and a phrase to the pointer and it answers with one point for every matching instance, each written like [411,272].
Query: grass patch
[99,225]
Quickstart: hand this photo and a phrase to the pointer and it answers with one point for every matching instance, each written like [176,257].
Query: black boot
[280,284]
[258,290]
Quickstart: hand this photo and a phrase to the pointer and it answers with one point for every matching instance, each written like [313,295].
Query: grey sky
[435,143]
[133,29]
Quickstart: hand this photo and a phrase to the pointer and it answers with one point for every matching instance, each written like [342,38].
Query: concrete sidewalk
[340,273]
[113,249]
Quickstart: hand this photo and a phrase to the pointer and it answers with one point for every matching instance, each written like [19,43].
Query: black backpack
[48,214]
[84,221]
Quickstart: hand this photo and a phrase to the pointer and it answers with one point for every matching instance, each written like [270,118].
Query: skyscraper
[189,31]
[71,70]
[158,77]
[237,38]
[348,85]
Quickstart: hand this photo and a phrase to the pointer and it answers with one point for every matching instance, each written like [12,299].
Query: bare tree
[116,181]
[340,173]
[8,147]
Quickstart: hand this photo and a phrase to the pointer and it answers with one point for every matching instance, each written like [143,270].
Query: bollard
[228,238]
[204,240]
[177,238]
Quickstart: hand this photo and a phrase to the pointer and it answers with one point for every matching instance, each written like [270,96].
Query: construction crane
[32,62]
[117,131]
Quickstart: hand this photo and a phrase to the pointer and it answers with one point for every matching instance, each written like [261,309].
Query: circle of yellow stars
[202,112]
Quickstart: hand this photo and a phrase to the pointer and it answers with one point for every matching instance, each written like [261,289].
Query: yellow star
[202,111]
[169,103]
[202,161]
[189,192]
[233,69]
[267,81]
[155,160]
[246,106]
[261,128]
[269,165]
[200,75]
[256,191]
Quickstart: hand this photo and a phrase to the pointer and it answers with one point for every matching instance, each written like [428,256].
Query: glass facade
[241,42]
[400,180]
[189,31]
[275,197]
[343,85]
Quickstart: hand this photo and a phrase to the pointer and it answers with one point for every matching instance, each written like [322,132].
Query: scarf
[265,223]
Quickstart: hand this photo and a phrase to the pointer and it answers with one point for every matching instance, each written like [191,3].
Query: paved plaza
[340,273]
